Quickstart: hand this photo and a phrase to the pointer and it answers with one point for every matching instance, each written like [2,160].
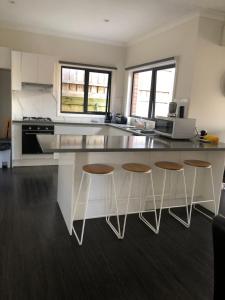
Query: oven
[30,144]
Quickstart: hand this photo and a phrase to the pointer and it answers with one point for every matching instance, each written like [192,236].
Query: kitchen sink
[147,131]
[141,131]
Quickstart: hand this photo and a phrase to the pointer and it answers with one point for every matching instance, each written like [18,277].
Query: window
[152,91]
[85,91]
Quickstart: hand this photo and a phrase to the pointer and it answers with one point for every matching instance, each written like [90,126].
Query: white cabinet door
[16,141]
[45,69]
[29,67]
[16,70]
[78,129]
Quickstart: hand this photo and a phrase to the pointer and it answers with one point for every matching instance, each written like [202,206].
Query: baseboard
[34,162]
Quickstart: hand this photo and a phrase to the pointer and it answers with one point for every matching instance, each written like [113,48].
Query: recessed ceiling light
[106,20]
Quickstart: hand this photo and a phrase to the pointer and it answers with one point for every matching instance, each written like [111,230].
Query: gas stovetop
[37,119]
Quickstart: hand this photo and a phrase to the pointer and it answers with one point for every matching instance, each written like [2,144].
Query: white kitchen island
[74,151]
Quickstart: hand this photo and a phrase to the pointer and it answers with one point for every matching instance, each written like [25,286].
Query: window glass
[72,90]
[141,93]
[164,91]
[152,91]
[97,91]
[85,90]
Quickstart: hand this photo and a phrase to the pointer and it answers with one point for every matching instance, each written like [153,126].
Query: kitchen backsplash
[38,101]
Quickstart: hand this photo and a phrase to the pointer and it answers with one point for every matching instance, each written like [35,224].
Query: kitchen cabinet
[29,67]
[16,141]
[89,130]
[16,71]
[37,68]
[45,71]
[78,129]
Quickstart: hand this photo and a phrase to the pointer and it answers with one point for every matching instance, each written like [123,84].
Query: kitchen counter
[124,127]
[74,151]
[33,122]
[100,143]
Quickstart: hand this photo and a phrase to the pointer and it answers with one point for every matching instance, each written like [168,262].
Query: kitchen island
[74,151]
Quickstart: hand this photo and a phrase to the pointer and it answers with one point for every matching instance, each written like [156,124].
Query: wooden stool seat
[98,169]
[197,163]
[137,168]
[168,165]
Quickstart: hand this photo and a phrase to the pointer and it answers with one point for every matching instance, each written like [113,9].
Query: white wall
[72,50]
[178,41]
[208,92]
[5,58]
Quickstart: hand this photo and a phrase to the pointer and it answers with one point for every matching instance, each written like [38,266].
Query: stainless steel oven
[30,144]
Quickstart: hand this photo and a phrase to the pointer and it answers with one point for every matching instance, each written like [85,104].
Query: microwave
[175,128]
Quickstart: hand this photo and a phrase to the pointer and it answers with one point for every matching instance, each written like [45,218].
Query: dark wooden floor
[39,260]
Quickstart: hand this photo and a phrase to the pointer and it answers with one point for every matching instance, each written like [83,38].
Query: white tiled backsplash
[38,101]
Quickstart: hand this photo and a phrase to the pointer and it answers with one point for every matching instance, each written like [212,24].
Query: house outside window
[152,91]
[85,91]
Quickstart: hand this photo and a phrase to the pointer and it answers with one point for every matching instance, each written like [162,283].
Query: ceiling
[128,19]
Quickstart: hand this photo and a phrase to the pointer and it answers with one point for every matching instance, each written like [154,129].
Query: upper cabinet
[29,67]
[45,67]
[32,68]
[16,70]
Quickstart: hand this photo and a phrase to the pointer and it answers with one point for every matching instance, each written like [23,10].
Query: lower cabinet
[89,130]
[78,129]
[16,141]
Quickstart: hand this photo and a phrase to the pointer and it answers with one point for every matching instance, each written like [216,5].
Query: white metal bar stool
[199,164]
[169,166]
[101,170]
[133,168]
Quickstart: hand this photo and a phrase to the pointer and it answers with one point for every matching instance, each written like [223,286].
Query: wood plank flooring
[39,260]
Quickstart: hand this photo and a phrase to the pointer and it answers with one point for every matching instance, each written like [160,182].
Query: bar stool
[199,164]
[169,166]
[99,170]
[133,168]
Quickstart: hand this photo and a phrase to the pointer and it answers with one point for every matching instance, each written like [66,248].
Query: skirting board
[34,162]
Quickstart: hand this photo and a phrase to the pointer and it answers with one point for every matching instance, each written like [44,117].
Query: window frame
[86,86]
[152,97]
